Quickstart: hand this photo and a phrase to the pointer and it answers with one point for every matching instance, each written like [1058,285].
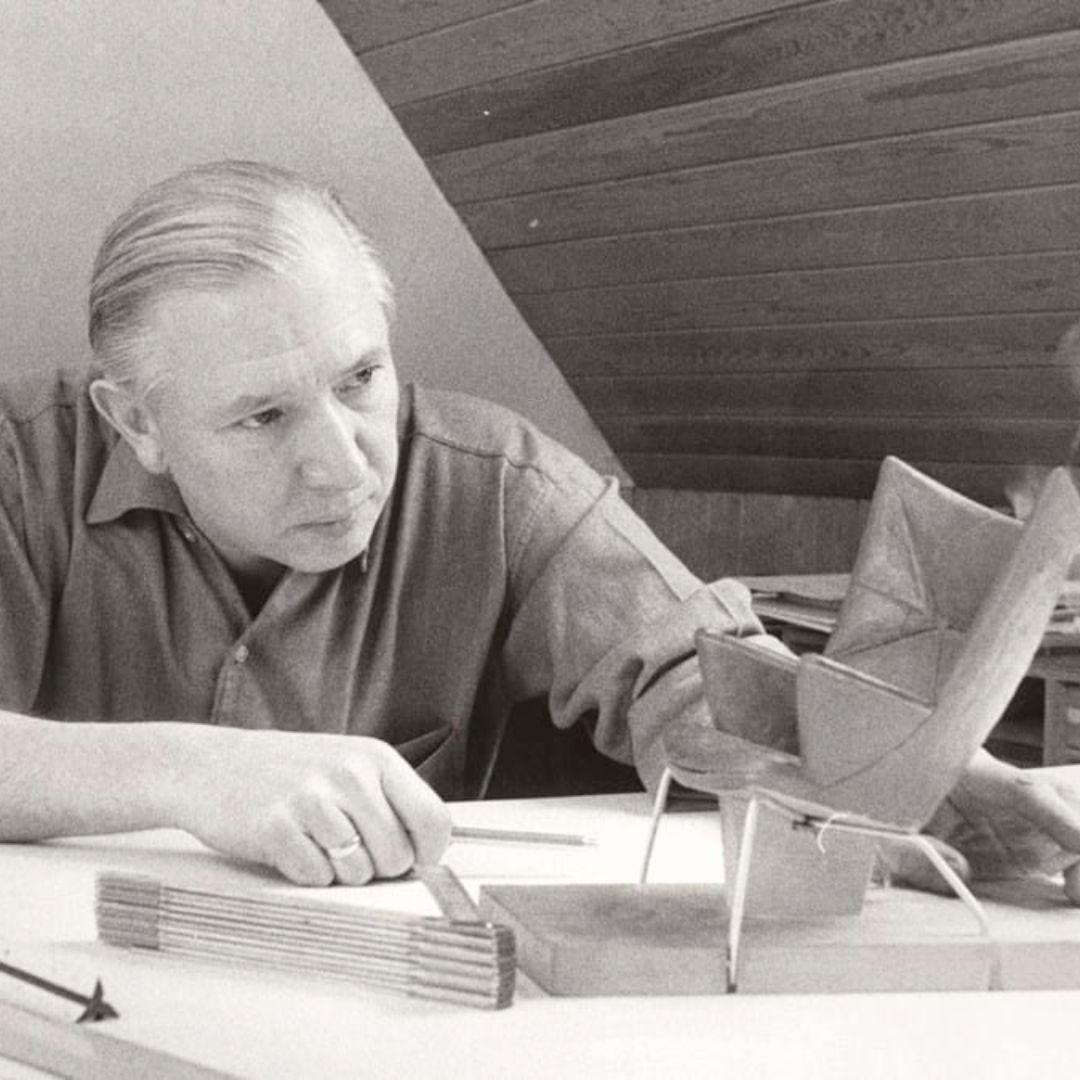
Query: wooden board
[832,187]
[827,477]
[986,439]
[524,36]
[1018,78]
[801,43]
[1000,223]
[1041,394]
[993,340]
[945,164]
[722,533]
[1002,283]
[371,24]
[585,940]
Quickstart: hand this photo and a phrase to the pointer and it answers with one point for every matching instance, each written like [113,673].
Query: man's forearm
[284,798]
[65,779]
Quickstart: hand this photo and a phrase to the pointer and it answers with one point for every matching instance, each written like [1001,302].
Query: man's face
[277,415]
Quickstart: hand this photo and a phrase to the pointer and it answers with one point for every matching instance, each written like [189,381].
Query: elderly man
[285,605]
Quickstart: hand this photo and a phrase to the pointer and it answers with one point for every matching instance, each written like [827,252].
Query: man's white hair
[210,227]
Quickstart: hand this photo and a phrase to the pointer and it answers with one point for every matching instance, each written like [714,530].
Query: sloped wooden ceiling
[768,241]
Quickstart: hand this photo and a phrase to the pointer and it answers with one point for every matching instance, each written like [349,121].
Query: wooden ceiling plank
[967,438]
[804,476]
[786,46]
[1020,340]
[999,223]
[368,24]
[1005,155]
[542,34]
[949,394]
[998,284]
[1014,79]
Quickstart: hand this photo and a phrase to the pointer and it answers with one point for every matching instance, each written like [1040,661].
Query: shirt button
[241,653]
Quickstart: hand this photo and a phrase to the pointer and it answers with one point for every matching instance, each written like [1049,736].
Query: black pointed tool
[96,1007]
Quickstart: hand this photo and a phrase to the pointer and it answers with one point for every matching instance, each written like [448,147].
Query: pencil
[519,836]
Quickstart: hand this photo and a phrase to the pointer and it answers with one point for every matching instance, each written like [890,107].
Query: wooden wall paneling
[961,438]
[367,24]
[1008,283]
[987,157]
[788,534]
[542,34]
[803,42]
[701,527]
[769,241]
[1014,79]
[721,534]
[992,340]
[842,478]
[1031,220]
[752,473]
[1005,393]
[838,526]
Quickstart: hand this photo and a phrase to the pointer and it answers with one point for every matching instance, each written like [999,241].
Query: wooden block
[832,871]
[584,940]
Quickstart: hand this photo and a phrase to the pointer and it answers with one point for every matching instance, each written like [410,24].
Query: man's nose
[329,451]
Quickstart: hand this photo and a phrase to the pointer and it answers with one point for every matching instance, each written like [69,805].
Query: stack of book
[469,963]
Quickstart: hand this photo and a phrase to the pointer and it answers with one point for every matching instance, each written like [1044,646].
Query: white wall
[99,98]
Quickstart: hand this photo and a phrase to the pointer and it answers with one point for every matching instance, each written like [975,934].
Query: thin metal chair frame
[738,888]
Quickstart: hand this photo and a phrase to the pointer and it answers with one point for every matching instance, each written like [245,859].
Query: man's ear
[131,417]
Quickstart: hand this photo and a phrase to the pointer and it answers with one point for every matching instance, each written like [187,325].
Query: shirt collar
[125,485]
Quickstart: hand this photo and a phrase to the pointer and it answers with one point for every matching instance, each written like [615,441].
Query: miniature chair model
[947,606]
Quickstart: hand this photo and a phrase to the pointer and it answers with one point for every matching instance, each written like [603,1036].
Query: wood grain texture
[1017,340]
[1036,393]
[626,939]
[1000,223]
[724,533]
[542,34]
[769,241]
[1014,283]
[992,157]
[845,478]
[367,24]
[815,535]
[703,528]
[804,42]
[977,438]
[1014,79]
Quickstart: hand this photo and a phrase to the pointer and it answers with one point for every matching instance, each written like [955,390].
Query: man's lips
[339,515]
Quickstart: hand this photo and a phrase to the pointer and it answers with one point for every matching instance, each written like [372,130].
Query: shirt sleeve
[607,622]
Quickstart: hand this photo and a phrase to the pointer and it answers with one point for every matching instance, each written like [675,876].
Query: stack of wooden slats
[470,963]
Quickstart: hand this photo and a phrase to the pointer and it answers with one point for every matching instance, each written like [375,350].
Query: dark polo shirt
[502,568]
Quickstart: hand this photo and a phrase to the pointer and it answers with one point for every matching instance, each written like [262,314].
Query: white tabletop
[254,1024]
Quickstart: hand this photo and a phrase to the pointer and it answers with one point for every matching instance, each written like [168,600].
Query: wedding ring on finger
[343,851]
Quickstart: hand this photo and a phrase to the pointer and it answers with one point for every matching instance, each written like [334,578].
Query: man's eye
[260,419]
[358,380]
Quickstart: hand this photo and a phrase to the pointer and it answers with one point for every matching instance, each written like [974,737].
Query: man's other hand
[1001,822]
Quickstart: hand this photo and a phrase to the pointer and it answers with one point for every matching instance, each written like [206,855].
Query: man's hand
[290,799]
[1002,822]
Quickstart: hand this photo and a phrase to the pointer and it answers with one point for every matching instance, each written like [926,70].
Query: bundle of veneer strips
[468,963]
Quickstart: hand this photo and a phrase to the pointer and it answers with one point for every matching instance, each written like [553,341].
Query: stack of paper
[470,963]
[1064,630]
[808,600]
